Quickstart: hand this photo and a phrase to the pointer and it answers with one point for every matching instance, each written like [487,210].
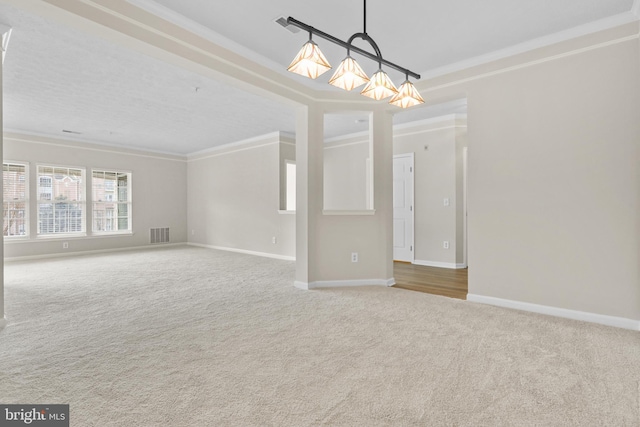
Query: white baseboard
[618,322]
[344,283]
[451,265]
[93,252]
[246,252]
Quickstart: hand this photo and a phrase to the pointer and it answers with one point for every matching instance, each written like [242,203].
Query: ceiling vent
[282,21]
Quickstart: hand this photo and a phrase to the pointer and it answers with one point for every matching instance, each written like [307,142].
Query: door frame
[465,164]
[411,155]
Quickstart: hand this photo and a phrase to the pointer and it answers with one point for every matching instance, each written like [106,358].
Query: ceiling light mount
[310,62]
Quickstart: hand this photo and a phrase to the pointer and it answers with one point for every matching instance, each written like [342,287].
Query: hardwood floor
[432,280]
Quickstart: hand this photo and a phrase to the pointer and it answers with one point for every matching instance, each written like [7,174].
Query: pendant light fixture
[349,75]
[407,96]
[310,62]
[380,86]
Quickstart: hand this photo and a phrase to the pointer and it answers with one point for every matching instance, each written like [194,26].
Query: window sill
[336,213]
[61,237]
[112,234]
[16,239]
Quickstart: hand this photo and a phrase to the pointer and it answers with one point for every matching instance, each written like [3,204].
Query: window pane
[123,223]
[109,186]
[15,219]
[45,218]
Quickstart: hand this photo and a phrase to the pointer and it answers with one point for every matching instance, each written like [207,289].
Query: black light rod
[346,45]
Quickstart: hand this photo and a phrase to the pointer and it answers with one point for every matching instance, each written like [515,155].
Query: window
[291,186]
[15,204]
[111,201]
[61,201]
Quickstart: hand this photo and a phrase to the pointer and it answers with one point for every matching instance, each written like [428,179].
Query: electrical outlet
[65,245]
[446,201]
[274,240]
[193,232]
[445,244]
[354,256]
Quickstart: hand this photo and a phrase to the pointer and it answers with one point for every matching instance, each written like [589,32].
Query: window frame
[26,201]
[82,202]
[129,202]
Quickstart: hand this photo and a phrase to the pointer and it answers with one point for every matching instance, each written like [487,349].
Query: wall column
[381,130]
[309,190]
[325,240]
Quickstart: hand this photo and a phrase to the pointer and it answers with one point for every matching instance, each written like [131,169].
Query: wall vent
[159,235]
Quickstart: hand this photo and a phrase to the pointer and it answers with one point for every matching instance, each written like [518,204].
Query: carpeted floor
[194,337]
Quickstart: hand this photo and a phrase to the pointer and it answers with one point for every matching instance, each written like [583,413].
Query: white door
[403,207]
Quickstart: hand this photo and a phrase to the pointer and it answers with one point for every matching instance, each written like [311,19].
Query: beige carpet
[194,337]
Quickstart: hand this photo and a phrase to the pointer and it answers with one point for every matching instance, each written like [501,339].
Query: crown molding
[571,33]
[450,118]
[85,144]
[245,144]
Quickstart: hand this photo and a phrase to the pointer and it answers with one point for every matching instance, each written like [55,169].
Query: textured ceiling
[57,78]
[74,81]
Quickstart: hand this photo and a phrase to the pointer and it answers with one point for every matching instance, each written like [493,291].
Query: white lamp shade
[379,87]
[310,62]
[407,96]
[349,75]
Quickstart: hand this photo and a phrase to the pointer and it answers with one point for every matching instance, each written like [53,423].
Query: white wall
[437,146]
[553,174]
[158,183]
[345,173]
[234,197]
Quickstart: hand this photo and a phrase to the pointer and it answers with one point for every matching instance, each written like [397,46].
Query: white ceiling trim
[35,138]
[335,142]
[428,130]
[429,125]
[232,147]
[531,63]
[572,33]
[206,33]
[403,129]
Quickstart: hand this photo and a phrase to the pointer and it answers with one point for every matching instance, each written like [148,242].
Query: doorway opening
[429,199]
